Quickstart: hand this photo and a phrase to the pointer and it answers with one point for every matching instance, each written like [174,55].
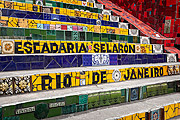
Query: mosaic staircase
[63,56]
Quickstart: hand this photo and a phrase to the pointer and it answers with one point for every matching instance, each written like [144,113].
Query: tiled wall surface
[81,102]
[88,28]
[49,81]
[75,22]
[46,46]
[163,12]
[31,62]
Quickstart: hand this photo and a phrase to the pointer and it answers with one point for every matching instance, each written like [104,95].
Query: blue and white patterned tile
[100,59]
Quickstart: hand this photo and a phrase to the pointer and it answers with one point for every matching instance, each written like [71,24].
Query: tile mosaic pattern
[100,59]
[35,19]
[50,46]
[155,115]
[6,86]
[173,70]
[30,62]
[22,84]
[7,47]
[171,58]
[157,48]
[51,81]
[144,40]
[171,111]
[134,94]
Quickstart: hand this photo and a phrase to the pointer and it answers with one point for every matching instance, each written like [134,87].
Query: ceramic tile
[7,47]
[22,84]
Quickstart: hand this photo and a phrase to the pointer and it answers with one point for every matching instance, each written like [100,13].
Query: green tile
[72,99]
[104,96]
[10,32]
[117,37]
[113,37]
[27,32]
[9,111]
[130,39]
[44,37]
[43,32]
[93,97]
[83,99]
[27,116]
[51,37]
[89,36]
[59,35]
[11,118]
[35,31]
[3,31]
[115,94]
[55,112]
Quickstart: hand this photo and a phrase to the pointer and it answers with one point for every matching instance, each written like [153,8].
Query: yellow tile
[4,18]
[16,7]
[72,13]
[13,22]
[1,4]
[79,3]
[68,12]
[29,7]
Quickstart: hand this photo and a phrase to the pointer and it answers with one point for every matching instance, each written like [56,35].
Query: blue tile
[73,19]
[58,59]
[10,67]
[9,58]
[75,63]
[119,62]
[37,65]
[144,61]
[69,58]
[32,58]
[113,62]
[55,17]
[47,60]
[140,56]
[47,16]
[3,58]
[66,63]
[87,60]
[93,21]
[159,55]
[34,15]
[138,61]
[80,63]
[63,18]
[88,21]
[83,20]
[18,14]
[136,56]
[53,64]
[19,59]
[105,23]
[46,26]
[23,66]
[119,57]
[3,65]
[114,24]
[155,56]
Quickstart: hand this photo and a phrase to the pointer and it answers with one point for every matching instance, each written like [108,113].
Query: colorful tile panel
[35,46]
[155,115]
[72,79]
[31,62]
